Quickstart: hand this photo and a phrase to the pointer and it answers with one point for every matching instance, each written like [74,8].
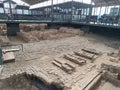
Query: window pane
[19,11]
[26,12]
[1,10]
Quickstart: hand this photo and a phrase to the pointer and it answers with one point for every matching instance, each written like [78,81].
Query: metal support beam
[10,8]
[71,10]
[81,12]
[119,15]
[52,17]
[90,9]
[1,60]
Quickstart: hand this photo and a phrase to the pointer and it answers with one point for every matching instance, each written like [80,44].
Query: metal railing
[86,19]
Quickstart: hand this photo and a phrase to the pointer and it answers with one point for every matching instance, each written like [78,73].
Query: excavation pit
[109,79]
[104,85]
[25,82]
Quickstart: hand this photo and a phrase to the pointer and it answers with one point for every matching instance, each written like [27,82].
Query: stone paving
[36,59]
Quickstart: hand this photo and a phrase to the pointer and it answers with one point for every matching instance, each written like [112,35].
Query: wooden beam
[74,60]
[85,54]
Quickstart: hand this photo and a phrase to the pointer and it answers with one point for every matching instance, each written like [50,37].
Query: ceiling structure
[32,2]
[97,2]
[106,2]
[67,5]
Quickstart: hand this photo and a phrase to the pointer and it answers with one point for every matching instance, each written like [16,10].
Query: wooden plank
[9,50]
[57,64]
[69,68]
[85,55]
[75,60]
[63,66]
[8,57]
[93,51]
[71,65]
[63,61]
[59,60]
[78,57]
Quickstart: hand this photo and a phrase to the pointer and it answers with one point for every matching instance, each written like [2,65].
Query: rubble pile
[33,27]
[34,35]
[71,30]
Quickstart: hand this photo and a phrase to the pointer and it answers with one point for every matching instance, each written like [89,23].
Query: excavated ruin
[25,82]
[109,80]
[65,58]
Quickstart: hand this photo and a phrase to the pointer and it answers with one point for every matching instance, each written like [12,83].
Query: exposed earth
[36,60]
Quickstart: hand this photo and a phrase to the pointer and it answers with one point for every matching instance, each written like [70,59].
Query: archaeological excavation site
[59,45]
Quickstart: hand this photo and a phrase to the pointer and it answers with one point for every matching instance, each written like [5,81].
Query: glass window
[19,11]
[13,11]
[30,12]
[88,10]
[6,5]
[26,12]
[7,11]
[1,10]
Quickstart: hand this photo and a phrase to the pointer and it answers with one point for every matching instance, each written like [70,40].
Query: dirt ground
[91,39]
[36,58]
